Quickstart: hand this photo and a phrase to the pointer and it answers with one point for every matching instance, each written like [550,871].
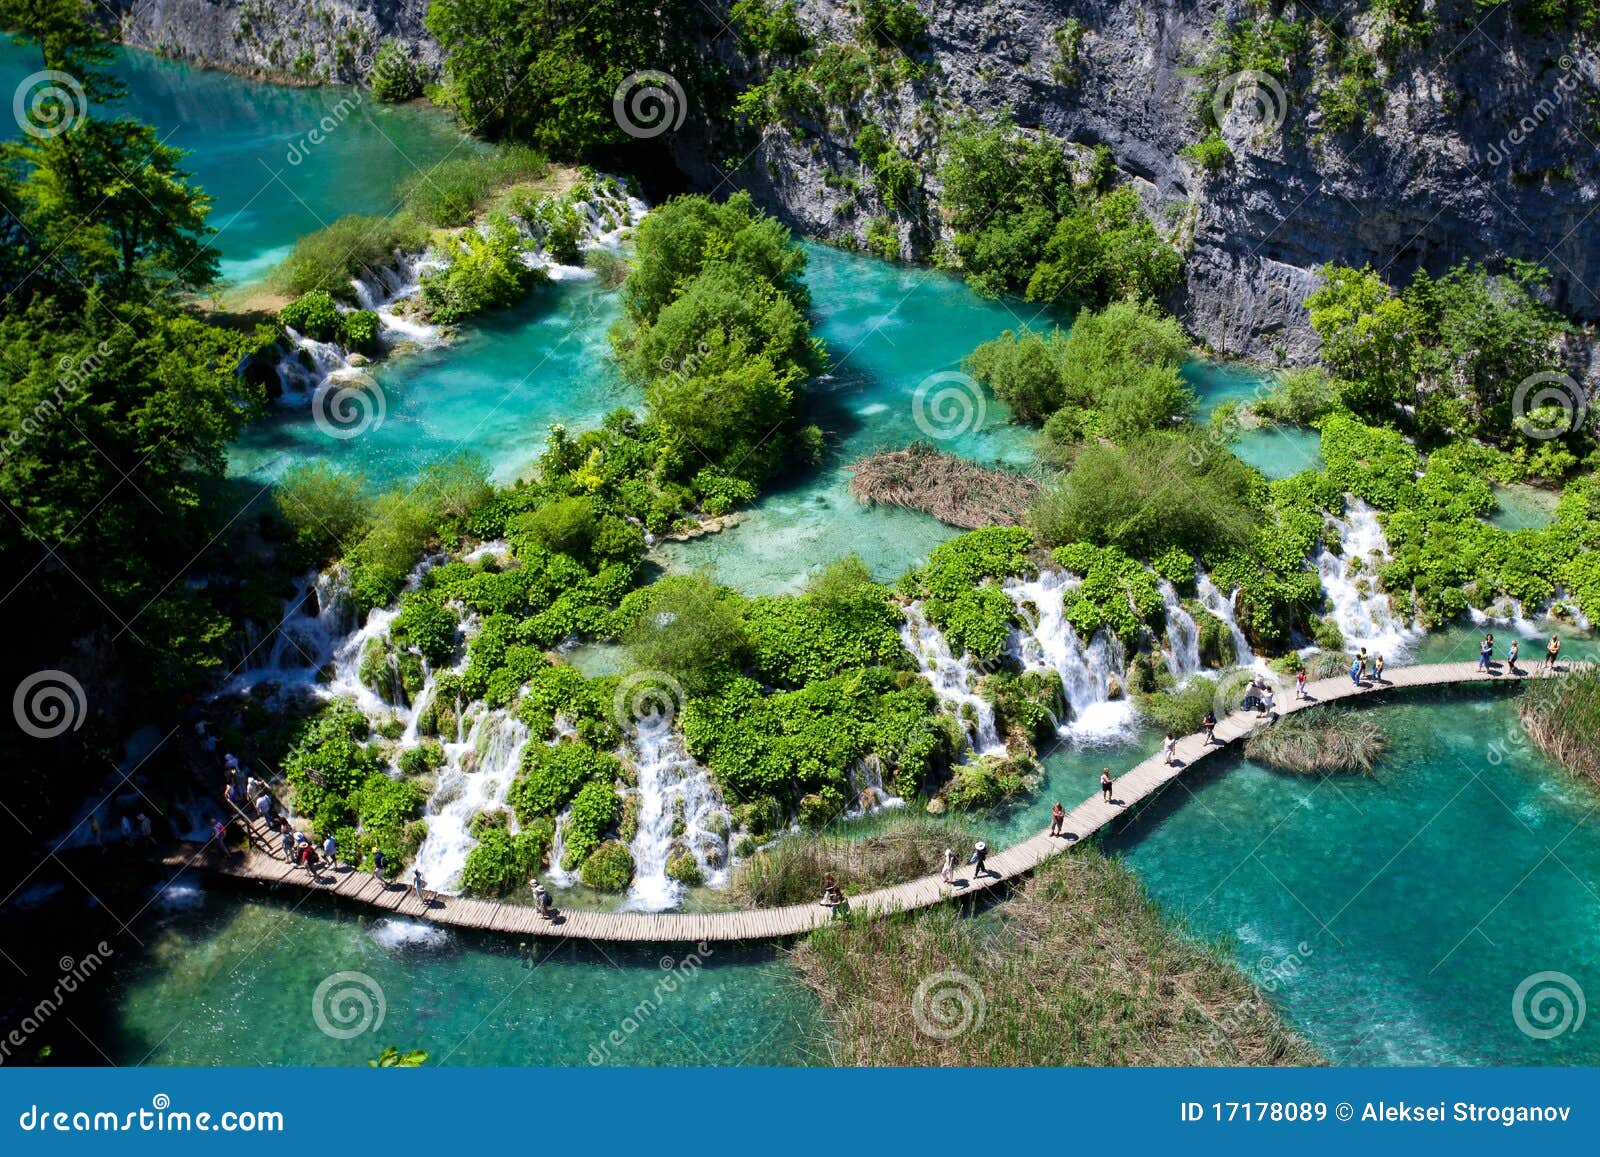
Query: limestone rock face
[1479,146]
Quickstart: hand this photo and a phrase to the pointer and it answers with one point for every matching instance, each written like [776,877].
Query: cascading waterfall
[1183,636]
[867,788]
[1047,642]
[1366,617]
[1221,605]
[389,291]
[953,680]
[475,777]
[680,810]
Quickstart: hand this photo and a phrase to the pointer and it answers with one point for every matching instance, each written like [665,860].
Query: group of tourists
[128,829]
[1359,666]
[1552,653]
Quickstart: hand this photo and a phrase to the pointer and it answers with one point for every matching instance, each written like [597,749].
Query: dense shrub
[314,315]
[552,774]
[484,271]
[332,257]
[609,868]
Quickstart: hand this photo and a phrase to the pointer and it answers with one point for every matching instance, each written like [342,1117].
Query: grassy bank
[1319,741]
[790,870]
[1562,717]
[1077,968]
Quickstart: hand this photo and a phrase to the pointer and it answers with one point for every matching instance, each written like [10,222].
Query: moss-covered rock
[683,867]
[609,867]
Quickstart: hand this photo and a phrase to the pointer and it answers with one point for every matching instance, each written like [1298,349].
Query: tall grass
[332,257]
[450,193]
[901,848]
[1319,741]
[1562,717]
[1081,970]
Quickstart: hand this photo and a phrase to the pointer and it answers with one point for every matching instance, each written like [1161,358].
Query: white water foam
[675,795]
[1367,617]
[1048,642]
[953,679]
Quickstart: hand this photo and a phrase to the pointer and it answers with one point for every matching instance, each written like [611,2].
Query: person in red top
[1300,683]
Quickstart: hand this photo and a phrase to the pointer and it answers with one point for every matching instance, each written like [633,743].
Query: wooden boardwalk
[1132,787]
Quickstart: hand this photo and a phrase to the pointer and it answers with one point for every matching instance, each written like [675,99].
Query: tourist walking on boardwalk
[1552,652]
[144,829]
[980,855]
[833,897]
[1210,724]
[125,826]
[1511,658]
[264,807]
[1355,672]
[1362,659]
[1105,784]
[423,895]
[1169,745]
[380,863]
[949,874]
[330,851]
[1485,653]
[230,792]
[1300,684]
[219,831]
[1266,701]
[541,899]
[1377,668]
[1058,816]
[288,847]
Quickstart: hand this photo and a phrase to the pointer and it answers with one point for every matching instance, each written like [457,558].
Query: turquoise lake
[1414,903]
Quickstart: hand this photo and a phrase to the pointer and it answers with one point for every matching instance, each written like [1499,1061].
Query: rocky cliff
[1471,140]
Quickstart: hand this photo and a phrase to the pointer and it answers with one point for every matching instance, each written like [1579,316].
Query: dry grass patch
[1077,968]
[790,870]
[955,490]
[1319,741]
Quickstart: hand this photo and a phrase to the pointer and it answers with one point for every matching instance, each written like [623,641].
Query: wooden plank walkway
[1132,787]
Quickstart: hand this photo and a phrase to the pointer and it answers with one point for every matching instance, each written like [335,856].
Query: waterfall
[952,679]
[475,777]
[1365,617]
[679,810]
[1183,637]
[867,788]
[1048,642]
[303,641]
[1221,606]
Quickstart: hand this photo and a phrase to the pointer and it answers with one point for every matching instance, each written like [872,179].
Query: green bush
[609,867]
[361,330]
[314,315]
[325,510]
[1210,152]
[552,774]
[501,863]
[484,271]
[452,192]
[594,812]
[393,77]
[424,622]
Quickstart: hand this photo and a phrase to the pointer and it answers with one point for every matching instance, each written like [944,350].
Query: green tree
[1369,338]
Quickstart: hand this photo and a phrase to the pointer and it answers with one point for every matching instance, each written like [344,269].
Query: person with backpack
[979,855]
[541,899]
[1552,652]
[1210,724]
[1355,672]
[380,864]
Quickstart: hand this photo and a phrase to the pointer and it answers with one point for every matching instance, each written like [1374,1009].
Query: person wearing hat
[979,854]
[949,875]
[541,899]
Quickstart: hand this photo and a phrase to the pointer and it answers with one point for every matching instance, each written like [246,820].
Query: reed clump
[790,870]
[1079,969]
[1319,741]
[955,490]
[1562,717]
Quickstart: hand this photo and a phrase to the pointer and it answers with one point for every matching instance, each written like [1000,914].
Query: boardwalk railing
[1133,786]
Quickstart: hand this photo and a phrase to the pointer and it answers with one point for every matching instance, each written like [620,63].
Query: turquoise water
[495,392]
[231,981]
[250,151]
[1394,916]
[1523,507]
